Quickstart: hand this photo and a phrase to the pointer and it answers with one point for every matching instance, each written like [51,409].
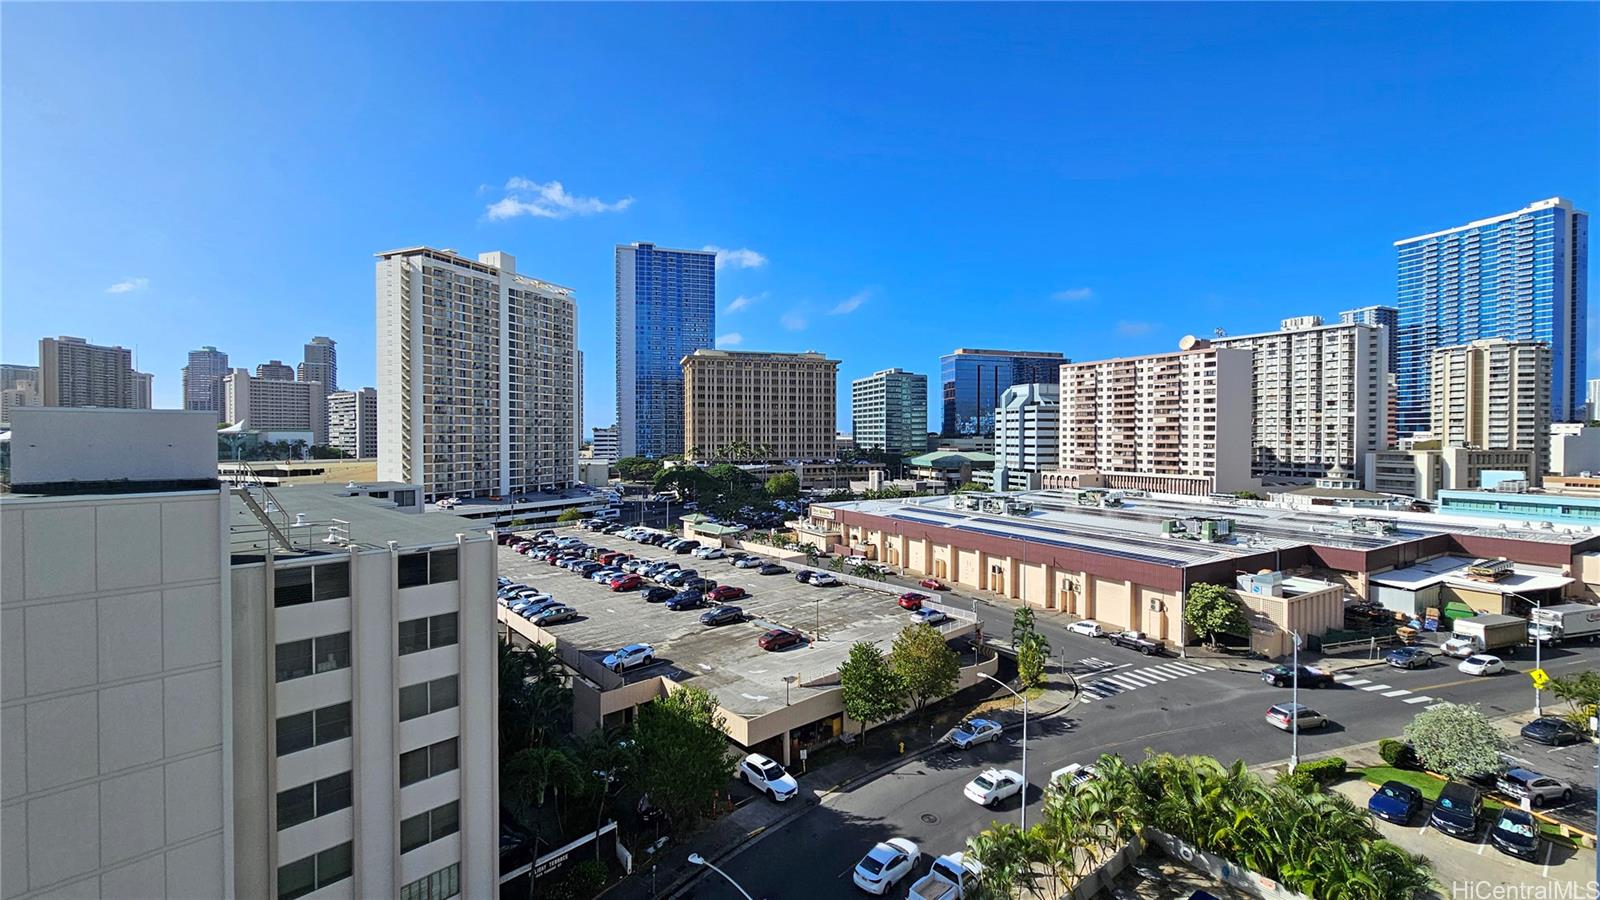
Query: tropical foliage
[1581,692]
[569,515]
[1457,740]
[783,486]
[925,664]
[1033,648]
[683,753]
[872,690]
[1212,609]
[637,468]
[968,487]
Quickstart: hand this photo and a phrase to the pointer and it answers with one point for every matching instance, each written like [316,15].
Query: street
[1138,703]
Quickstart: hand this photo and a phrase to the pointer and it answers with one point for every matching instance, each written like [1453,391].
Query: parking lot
[725,660]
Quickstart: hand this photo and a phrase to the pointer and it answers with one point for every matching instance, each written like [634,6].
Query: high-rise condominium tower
[666,310]
[202,379]
[353,422]
[273,404]
[276,369]
[74,372]
[321,363]
[889,411]
[780,405]
[973,380]
[1520,276]
[1493,395]
[477,375]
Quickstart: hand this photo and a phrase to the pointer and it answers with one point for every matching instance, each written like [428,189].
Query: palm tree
[1008,856]
[534,697]
[531,774]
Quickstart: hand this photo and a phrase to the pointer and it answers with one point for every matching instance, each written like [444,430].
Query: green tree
[535,698]
[969,487]
[569,515]
[1022,624]
[1581,692]
[535,774]
[1212,609]
[925,663]
[687,481]
[1032,655]
[873,691]
[637,468]
[783,486]
[325,451]
[683,753]
[1456,740]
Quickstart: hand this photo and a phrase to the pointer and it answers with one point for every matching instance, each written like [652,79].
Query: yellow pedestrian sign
[1540,679]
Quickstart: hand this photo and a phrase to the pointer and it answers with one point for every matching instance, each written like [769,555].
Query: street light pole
[1294,720]
[1538,655]
[1023,811]
[698,860]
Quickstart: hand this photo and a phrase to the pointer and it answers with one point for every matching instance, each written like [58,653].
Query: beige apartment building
[478,376]
[1175,423]
[74,372]
[782,404]
[1421,473]
[1493,395]
[275,404]
[1319,395]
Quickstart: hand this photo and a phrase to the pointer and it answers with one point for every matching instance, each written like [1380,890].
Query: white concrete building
[1574,449]
[604,445]
[1421,473]
[1027,435]
[477,376]
[353,422]
[202,379]
[1168,422]
[19,388]
[320,363]
[1493,395]
[275,404]
[1319,396]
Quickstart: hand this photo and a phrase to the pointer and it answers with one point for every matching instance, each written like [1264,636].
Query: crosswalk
[1386,690]
[1103,682]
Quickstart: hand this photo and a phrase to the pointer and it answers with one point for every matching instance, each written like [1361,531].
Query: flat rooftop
[725,660]
[366,520]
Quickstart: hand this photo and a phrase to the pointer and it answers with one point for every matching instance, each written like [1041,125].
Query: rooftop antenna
[1218,332]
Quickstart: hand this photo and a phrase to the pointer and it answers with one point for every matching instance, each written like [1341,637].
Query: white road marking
[1400,693]
[1378,687]
[1132,679]
[1342,678]
[1357,682]
[1157,675]
[1548,849]
[1193,669]
[1420,698]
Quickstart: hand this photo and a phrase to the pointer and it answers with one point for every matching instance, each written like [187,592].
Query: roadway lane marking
[1378,687]
[1157,675]
[1357,682]
[1181,669]
[1420,698]
[1400,693]
[1128,681]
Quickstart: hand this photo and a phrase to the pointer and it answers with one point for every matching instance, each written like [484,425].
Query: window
[413,569]
[314,872]
[304,584]
[430,826]
[333,723]
[417,635]
[296,733]
[427,567]
[308,801]
[426,762]
[439,885]
[297,659]
[428,697]
[442,566]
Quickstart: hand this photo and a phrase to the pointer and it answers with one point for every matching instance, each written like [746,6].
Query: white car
[885,865]
[750,562]
[993,785]
[1481,664]
[708,553]
[630,656]
[822,579]
[1460,648]
[1087,628]
[973,732]
[766,776]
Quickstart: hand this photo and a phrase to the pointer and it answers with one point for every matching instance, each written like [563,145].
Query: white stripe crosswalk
[1110,684]
[1388,690]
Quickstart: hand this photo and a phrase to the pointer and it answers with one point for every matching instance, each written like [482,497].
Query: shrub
[1298,781]
[582,883]
[1323,771]
[1397,754]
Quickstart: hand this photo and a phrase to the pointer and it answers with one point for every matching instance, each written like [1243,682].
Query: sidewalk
[1234,663]
[837,769]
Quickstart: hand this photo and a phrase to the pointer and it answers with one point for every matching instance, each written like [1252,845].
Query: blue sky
[1096,179]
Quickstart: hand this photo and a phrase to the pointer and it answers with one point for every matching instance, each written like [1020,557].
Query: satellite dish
[1188,342]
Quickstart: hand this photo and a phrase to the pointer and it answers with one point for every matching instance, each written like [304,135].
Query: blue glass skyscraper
[1520,276]
[973,381]
[666,310]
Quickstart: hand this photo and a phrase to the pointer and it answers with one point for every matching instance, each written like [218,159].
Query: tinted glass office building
[666,310]
[1520,276]
[973,381]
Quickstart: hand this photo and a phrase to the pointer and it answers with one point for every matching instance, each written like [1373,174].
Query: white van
[610,514]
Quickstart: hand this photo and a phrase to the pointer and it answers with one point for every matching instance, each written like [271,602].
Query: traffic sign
[1540,679]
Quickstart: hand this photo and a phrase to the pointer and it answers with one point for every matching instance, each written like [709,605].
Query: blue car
[1395,802]
[686,600]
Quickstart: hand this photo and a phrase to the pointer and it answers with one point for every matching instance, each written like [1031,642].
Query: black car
[686,600]
[658,594]
[698,585]
[1515,833]
[1283,676]
[803,576]
[771,569]
[1456,811]
[1553,731]
[722,615]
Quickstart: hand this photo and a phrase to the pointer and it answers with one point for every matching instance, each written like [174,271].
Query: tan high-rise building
[272,404]
[780,404]
[74,372]
[1493,395]
[477,375]
[1170,422]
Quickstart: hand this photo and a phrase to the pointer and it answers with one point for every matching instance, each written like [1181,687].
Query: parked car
[697,584]
[1395,801]
[973,732]
[553,614]
[1283,716]
[1137,640]
[630,657]
[766,776]
[1456,811]
[604,576]
[1481,664]
[1538,790]
[993,785]
[822,579]
[1516,833]
[885,865]
[1087,628]
[709,553]
[533,609]
[779,639]
[911,600]
[933,584]
[804,576]
[1553,731]
[658,594]
[748,562]
[686,546]
[771,569]
[929,616]
[1408,658]
[722,615]
[686,600]
[626,582]
[727,592]
[1284,676]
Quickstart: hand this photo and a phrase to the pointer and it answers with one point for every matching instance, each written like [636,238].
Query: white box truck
[1489,633]
[1565,622]
[952,877]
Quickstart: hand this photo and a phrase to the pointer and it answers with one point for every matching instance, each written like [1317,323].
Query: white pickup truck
[952,877]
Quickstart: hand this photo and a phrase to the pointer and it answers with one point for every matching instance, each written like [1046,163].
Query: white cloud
[1128,328]
[850,304]
[129,285]
[793,321]
[731,339]
[742,258]
[743,301]
[1073,295]
[549,200]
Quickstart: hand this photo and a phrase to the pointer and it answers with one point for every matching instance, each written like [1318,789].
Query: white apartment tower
[274,404]
[477,375]
[1493,395]
[1169,422]
[353,422]
[144,386]
[1320,397]
[889,411]
[604,445]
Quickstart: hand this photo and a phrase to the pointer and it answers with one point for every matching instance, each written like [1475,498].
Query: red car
[725,593]
[932,584]
[625,582]
[912,600]
[612,558]
[779,638]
